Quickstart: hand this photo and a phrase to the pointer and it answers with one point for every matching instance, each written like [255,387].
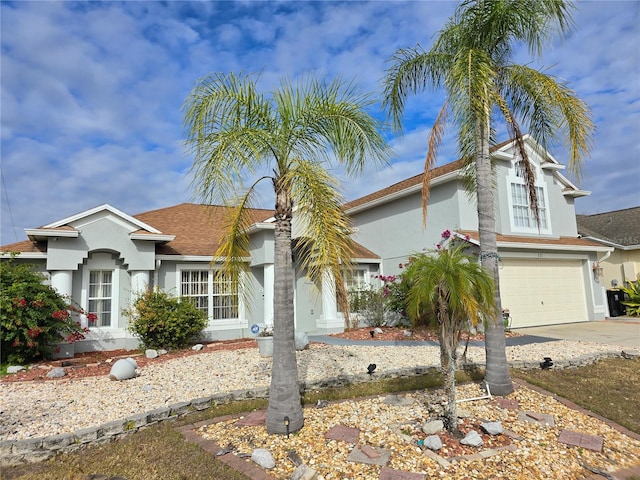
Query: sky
[92,92]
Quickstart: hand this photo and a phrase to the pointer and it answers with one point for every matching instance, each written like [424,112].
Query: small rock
[197,347]
[398,400]
[407,333]
[150,353]
[263,457]
[492,428]
[15,368]
[56,372]
[294,457]
[162,351]
[147,388]
[322,404]
[377,330]
[630,354]
[369,452]
[433,442]
[304,472]
[472,439]
[433,426]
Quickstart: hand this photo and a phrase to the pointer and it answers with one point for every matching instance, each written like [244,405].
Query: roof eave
[36,234]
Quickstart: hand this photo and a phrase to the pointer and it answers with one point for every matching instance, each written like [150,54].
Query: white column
[62,281]
[329,322]
[139,282]
[267,294]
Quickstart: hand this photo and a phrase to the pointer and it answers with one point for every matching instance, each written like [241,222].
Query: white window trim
[512,178]
[366,276]
[212,324]
[115,294]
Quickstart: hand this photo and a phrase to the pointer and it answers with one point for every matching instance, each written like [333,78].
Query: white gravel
[39,409]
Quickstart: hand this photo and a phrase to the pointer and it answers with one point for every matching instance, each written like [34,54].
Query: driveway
[624,331]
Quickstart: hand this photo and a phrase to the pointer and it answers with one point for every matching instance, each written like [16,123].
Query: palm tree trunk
[497,374]
[284,393]
[448,345]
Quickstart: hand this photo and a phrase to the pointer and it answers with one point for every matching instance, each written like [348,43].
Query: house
[546,271]
[103,257]
[619,229]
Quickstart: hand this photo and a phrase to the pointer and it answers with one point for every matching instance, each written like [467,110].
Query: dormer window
[522,217]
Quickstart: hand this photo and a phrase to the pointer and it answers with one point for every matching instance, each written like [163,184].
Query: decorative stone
[197,347]
[123,369]
[630,354]
[150,353]
[369,455]
[407,333]
[263,457]
[433,442]
[304,472]
[377,330]
[492,428]
[56,372]
[15,368]
[322,404]
[433,426]
[462,413]
[472,439]
[398,400]
[162,351]
[301,341]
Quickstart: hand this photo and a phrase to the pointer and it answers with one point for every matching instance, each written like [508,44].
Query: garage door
[543,292]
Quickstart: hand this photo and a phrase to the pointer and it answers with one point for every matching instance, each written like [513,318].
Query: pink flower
[400,265]
[446,234]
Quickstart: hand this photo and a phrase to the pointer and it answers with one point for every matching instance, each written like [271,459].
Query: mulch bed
[395,334]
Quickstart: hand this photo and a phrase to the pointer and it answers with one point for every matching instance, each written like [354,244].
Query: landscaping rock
[150,353]
[630,354]
[492,428]
[398,400]
[162,351]
[462,413]
[197,347]
[433,426]
[433,442]
[407,333]
[472,439]
[301,341]
[378,330]
[304,472]
[263,457]
[15,368]
[56,372]
[123,369]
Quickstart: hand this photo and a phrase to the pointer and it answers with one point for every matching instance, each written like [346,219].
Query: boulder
[630,354]
[263,457]
[472,439]
[56,372]
[15,368]
[197,347]
[150,353]
[123,369]
[433,426]
[433,442]
[162,351]
[492,428]
[377,330]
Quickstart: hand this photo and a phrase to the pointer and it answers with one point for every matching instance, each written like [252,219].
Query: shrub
[34,316]
[633,297]
[163,321]
[370,303]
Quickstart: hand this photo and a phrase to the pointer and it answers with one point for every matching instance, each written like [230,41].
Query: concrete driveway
[624,331]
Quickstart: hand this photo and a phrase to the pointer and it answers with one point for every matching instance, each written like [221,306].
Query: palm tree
[471,60]
[458,291]
[294,134]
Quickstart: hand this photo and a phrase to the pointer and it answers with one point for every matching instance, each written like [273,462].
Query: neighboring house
[620,230]
[103,257]
[546,273]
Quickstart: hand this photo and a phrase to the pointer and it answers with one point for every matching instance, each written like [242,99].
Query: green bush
[371,303]
[163,321]
[633,297]
[34,317]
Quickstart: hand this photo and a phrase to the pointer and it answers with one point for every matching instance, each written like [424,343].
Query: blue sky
[91,92]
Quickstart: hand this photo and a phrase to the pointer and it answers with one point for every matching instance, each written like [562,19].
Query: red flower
[61,315]
[92,317]
[19,302]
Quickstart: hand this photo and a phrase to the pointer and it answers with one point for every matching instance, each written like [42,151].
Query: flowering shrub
[34,316]
[163,321]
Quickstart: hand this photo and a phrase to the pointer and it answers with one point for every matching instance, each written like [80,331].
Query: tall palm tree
[458,291]
[294,134]
[471,60]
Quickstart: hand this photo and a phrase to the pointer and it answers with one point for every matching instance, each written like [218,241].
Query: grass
[160,452]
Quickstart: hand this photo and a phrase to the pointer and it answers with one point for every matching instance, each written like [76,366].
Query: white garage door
[543,292]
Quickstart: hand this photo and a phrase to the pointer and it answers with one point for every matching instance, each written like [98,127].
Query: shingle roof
[621,227]
[25,246]
[561,241]
[198,228]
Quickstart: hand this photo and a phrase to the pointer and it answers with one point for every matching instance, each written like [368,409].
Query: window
[522,216]
[210,292]
[355,279]
[100,297]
